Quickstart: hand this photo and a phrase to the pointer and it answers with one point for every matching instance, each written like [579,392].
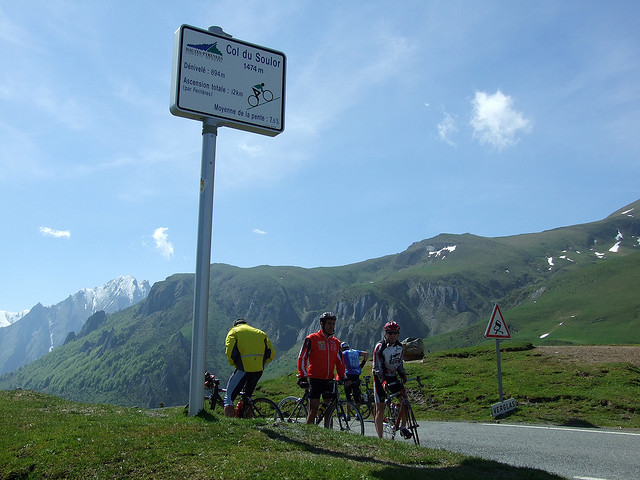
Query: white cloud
[447,127]
[50,232]
[251,150]
[163,245]
[257,231]
[495,122]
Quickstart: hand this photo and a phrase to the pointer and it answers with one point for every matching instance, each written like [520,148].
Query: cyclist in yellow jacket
[248,350]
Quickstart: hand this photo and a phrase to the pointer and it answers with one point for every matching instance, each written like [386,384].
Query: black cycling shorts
[352,391]
[319,387]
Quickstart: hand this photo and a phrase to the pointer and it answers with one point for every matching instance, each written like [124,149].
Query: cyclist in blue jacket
[354,360]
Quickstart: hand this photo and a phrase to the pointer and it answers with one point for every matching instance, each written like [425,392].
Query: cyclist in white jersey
[388,368]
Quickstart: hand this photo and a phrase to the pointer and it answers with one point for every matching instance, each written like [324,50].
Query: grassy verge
[47,437]
[462,384]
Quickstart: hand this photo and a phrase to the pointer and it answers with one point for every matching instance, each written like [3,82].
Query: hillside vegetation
[574,285]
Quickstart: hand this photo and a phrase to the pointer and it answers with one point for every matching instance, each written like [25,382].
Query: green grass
[47,437]
[462,384]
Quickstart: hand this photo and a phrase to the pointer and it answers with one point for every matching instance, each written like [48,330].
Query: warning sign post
[497,328]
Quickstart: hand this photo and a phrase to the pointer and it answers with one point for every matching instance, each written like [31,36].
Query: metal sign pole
[203,262]
[499,368]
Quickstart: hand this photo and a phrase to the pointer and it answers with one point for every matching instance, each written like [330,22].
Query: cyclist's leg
[235,385]
[331,405]
[251,382]
[390,418]
[378,395]
[330,399]
[316,388]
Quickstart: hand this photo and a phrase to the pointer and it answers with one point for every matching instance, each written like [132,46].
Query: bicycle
[397,406]
[254,100]
[368,405]
[338,414]
[247,406]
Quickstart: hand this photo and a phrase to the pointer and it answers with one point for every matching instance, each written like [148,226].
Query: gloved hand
[384,385]
[303,382]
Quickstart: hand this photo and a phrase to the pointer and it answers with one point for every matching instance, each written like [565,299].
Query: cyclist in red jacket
[319,360]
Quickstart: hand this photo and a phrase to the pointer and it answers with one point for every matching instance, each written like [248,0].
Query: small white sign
[235,82]
[503,407]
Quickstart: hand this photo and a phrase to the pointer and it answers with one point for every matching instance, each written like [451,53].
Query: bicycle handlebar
[417,379]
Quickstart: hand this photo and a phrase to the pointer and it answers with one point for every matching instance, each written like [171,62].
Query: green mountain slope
[442,289]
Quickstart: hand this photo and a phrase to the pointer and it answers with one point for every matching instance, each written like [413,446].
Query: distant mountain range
[575,284]
[29,335]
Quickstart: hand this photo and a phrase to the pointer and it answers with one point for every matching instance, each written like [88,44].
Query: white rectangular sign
[501,408]
[238,83]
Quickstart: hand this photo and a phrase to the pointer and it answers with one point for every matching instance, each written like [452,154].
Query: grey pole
[203,262]
[499,369]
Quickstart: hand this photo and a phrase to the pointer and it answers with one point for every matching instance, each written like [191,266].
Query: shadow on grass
[469,469]
[579,423]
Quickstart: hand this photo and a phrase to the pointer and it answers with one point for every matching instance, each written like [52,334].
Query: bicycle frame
[212,384]
[338,414]
[251,408]
[398,406]
[367,407]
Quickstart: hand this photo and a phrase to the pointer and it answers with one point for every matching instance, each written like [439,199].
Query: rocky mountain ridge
[42,329]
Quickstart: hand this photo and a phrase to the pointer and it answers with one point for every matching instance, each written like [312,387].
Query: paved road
[577,453]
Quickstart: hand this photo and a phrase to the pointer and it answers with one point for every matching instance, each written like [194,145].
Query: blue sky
[403,120]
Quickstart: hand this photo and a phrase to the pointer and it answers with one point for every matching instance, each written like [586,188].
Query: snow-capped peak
[7,318]
[115,294]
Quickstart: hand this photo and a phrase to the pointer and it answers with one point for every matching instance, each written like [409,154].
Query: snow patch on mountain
[442,251]
[7,318]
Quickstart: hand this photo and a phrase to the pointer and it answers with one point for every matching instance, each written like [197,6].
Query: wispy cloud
[495,121]
[163,245]
[447,127]
[50,232]
[257,231]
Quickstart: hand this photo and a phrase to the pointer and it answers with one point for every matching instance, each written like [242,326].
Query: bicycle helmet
[327,316]
[391,327]
[344,346]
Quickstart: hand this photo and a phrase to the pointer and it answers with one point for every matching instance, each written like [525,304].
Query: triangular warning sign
[497,327]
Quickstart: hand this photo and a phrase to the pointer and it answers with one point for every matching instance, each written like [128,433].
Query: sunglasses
[393,333]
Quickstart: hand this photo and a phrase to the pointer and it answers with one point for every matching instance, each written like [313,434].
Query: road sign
[239,84]
[497,327]
[503,407]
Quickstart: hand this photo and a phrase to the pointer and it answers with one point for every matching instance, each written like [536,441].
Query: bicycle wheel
[267,95]
[253,100]
[412,424]
[365,409]
[264,408]
[346,417]
[293,410]
[390,420]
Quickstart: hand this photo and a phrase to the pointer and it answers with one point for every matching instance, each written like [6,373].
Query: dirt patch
[594,353]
